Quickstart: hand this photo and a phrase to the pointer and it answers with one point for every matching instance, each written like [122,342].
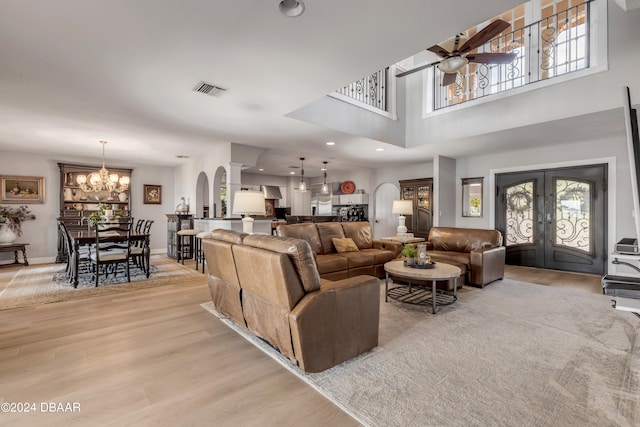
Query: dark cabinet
[420,191]
[75,204]
[175,223]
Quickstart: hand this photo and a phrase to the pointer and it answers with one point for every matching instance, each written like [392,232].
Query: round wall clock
[347,187]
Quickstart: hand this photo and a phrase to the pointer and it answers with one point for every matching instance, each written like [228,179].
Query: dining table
[80,238]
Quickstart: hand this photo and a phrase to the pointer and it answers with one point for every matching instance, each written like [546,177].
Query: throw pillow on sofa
[344,245]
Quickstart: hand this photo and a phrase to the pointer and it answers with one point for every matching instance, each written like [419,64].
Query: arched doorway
[384,224]
[202,196]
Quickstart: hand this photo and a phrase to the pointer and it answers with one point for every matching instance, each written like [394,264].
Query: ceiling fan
[456,56]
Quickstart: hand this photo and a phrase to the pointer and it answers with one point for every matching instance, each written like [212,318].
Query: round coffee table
[414,293]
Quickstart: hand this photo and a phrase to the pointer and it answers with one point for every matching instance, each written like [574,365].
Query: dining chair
[140,248]
[113,248]
[82,257]
[147,226]
[66,248]
[137,245]
[139,223]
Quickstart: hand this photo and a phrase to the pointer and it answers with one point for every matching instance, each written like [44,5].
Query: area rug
[43,284]
[511,354]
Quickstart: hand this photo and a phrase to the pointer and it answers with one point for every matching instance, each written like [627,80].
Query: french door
[554,218]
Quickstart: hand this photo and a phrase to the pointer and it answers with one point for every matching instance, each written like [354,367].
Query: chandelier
[102,180]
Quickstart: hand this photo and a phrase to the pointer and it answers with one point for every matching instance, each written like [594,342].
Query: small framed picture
[22,189]
[152,194]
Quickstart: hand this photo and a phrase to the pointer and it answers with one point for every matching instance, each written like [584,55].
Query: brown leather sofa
[368,259]
[480,251]
[270,285]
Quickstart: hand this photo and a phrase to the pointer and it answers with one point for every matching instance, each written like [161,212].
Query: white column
[233,185]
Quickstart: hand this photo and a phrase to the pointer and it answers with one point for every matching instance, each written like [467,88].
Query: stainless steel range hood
[271,191]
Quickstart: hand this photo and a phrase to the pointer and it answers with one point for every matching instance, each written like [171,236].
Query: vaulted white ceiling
[74,72]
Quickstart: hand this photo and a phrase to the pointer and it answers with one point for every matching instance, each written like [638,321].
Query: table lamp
[248,203]
[402,208]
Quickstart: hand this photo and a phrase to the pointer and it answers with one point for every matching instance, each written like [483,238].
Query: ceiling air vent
[209,89]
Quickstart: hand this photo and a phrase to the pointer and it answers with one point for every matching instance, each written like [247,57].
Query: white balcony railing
[556,45]
[371,91]
[553,46]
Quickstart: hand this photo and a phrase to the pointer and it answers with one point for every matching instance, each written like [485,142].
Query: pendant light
[302,187]
[325,186]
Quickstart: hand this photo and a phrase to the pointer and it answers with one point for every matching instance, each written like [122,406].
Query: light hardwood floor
[155,357]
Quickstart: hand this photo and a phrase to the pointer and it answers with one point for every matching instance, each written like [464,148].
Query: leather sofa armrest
[336,323]
[487,265]
[396,247]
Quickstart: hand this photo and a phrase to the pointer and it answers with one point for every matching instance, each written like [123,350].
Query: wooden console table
[15,247]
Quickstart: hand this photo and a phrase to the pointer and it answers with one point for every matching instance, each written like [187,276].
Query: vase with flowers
[102,215]
[11,222]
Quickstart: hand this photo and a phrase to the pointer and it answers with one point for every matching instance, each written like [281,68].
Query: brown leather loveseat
[479,250]
[270,286]
[368,257]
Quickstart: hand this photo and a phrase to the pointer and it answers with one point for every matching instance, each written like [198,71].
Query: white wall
[534,104]
[444,192]
[620,206]
[611,151]
[186,175]
[335,114]
[154,175]
[394,174]
[42,234]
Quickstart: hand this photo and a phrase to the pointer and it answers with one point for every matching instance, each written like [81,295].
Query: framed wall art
[152,194]
[21,189]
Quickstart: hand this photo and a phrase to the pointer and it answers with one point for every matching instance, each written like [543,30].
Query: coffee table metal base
[419,295]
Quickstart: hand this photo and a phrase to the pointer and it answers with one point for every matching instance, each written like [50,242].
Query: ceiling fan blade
[439,50]
[492,58]
[449,78]
[484,35]
[415,70]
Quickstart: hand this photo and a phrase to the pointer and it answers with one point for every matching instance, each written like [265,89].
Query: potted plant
[410,252]
[102,214]
[11,220]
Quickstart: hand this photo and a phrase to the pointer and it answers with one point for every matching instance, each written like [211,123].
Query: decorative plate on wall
[347,187]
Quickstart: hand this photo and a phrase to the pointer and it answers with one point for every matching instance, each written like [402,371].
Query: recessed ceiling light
[261,170]
[292,173]
[331,143]
[379,149]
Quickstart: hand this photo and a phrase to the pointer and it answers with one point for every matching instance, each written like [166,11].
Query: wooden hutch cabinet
[420,191]
[75,204]
[175,223]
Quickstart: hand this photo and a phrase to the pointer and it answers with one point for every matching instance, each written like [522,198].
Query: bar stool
[186,243]
[199,251]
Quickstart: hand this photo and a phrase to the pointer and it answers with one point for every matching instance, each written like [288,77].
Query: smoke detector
[291,8]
